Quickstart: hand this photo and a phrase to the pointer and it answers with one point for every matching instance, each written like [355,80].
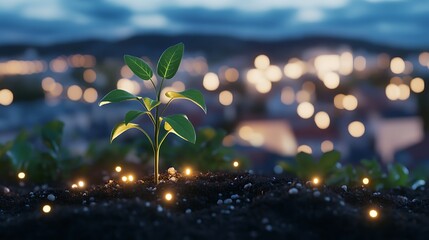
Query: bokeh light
[305,110]
[356,129]
[211,81]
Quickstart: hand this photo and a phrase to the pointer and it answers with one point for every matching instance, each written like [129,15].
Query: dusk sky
[392,22]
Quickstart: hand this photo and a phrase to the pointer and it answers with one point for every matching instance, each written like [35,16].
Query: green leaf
[169,61]
[21,154]
[192,95]
[131,115]
[305,165]
[117,95]
[328,161]
[139,67]
[52,133]
[150,103]
[121,128]
[181,126]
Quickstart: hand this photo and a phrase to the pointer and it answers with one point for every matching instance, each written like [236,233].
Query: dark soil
[215,206]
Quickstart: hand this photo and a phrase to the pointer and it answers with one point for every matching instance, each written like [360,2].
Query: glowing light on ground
[350,102]
[6,97]
[322,120]
[316,181]
[226,98]
[262,62]
[74,185]
[81,184]
[397,65]
[305,110]
[417,85]
[46,209]
[211,81]
[188,171]
[373,213]
[168,196]
[356,129]
[365,181]
[74,92]
[21,175]
[118,169]
[235,164]
[124,178]
[304,148]
[130,178]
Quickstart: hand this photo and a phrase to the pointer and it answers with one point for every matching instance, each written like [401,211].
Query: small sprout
[365,181]
[21,175]
[46,209]
[74,185]
[235,164]
[124,178]
[130,178]
[118,169]
[168,196]
[188,171]
[316,181]
[373,213]
[81,184]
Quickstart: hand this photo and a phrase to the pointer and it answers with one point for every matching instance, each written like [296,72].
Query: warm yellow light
[128,85]
[74,186]
[273,73]
[168,196]
[48,84]
[424,58]
[356,129]
[373,213]
[360,63]
[262,62]
[6,97]
[46,209]
[305,110]
[90,95]
[89,76]
[316,181]
[294,69]
[231,74]
[81,184]
[331,80]
[322,120]
[365,181]
[327,146]
[350,102]
[226,98]
[287,95]
[74,92]
[338,101]
[130,178]
[118,169]
[304,148]
[126,72]
[404,92]
[303,96]
[211,81]
[21,175]
[188,171]
[255,75]
[393,92]
[397,65]
[235,164]
[417,85]
[263,86]
[124,178]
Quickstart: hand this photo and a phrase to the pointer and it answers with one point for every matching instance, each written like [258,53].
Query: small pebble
[342,203]
[219,202]
[51,197]
[248,185]
[298,185]
[376,194]
[228,201]
[238,201]
[344,187]
[171,171]
[293,191]
[159,209]
[234,196]
[265,221]
[316,194]
[188,211]
[199,221]
[147,204]
[85,209]
[269,228]
[327,199]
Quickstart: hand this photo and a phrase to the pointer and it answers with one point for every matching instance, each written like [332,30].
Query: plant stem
[156,165]
[156,136]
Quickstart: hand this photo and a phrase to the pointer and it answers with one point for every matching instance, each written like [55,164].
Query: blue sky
[394,22]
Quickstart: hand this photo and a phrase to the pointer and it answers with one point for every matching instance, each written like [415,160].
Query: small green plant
[179,124]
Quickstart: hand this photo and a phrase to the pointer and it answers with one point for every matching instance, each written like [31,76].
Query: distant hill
[214,47]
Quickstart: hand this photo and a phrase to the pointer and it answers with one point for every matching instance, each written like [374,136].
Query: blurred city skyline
[390,22]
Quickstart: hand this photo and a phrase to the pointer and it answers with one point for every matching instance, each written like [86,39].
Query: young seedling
[179,124]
